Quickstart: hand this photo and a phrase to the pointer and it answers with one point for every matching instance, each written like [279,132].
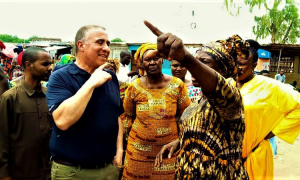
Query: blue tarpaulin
[264,54]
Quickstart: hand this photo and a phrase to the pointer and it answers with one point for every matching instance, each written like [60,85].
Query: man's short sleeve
[58,89]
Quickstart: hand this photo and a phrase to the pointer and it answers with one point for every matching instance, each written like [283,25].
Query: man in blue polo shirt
[85,104]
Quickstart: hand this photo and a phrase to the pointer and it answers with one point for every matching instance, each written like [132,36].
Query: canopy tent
[52,48]
[2,46]
[9,50]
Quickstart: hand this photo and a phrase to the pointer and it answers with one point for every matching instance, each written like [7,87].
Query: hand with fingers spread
[171,147]
[99,77]
[169,46]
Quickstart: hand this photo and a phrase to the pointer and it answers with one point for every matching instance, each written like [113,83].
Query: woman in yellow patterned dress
[151,104]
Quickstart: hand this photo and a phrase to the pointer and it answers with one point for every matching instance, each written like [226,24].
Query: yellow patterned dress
[150,114]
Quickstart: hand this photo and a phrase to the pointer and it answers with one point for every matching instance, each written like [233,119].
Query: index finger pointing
[154,29]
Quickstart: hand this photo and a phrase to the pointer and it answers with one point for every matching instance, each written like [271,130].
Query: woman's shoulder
[231,81]
[168,77]
[188,83]
[131,85]
[173,79]
[177,82]
[263,84]
[260,80]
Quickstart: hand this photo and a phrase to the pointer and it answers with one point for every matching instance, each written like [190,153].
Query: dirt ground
[287,162]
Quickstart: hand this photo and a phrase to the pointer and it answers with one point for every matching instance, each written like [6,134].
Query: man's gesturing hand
[99,77]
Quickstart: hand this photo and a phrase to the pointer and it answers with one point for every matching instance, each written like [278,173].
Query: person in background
[265,73]
[294,85]
[25,122]
[17,70]
[151,104]
[125,76]
[4,86]
[271,109]
[125,59]
[180,72]
[1,62]
[6,65]
[65,60]
[280,77]
[84,100]
[17,75]
[113,65]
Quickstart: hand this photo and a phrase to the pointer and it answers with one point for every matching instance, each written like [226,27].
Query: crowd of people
[96,119]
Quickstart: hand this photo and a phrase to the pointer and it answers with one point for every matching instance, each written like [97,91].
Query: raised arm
[226,99]
[171,47]
[222,95]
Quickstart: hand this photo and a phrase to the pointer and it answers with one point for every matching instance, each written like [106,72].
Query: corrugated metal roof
[281,45]
[288,49]
[55,48]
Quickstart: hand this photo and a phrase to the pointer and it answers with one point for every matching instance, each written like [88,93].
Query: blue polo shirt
[92,139]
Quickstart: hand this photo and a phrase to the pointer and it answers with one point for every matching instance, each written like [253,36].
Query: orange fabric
[150,113]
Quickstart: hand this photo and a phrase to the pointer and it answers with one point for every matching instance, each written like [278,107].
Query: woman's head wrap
[66,59]
[254,46]
[138,56]
[115,63]
[225,52]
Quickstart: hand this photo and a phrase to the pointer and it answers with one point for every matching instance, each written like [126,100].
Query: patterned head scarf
[115,63]
[66,59]
[138,56]
[225,52]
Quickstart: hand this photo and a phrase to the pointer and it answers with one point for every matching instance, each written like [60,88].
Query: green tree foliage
[283,26]
[15,39]
[33,38]
[117,40]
